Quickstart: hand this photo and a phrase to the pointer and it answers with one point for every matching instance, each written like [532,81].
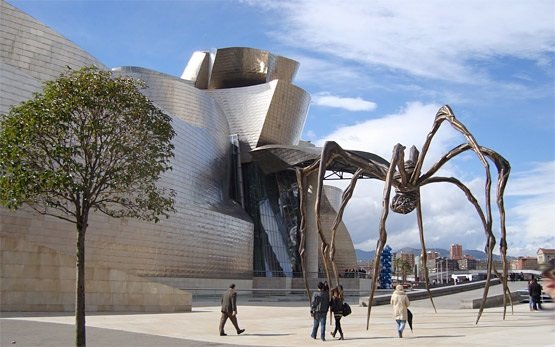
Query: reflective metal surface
[31,52]
[207,236]
[234,67]
[255,90]
[244,92]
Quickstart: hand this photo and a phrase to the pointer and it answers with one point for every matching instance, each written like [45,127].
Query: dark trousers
[232,318]
[536,303]
[338,326]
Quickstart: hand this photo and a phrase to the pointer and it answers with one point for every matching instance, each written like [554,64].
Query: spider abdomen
[405,202]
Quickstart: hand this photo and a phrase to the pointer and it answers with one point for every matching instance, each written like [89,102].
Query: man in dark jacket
[229,310]
[535,292]
[319,309]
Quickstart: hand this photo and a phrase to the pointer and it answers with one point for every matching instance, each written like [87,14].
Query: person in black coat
[535,292]
[336,307]
[318,310]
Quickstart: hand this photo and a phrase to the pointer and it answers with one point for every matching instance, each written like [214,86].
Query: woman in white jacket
[400,302]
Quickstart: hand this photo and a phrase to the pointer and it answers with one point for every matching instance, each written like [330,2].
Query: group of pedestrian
[320,305]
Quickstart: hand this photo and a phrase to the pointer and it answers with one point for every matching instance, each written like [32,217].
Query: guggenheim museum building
[238,118]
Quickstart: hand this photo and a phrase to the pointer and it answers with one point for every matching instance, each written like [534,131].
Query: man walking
[229,310]
[535,292]
[319,309]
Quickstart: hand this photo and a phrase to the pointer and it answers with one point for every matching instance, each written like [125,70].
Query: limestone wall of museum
[36,278]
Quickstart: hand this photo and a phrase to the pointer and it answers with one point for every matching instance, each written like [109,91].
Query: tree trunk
[80,339]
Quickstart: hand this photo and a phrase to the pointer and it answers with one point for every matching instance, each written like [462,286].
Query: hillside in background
[478,255]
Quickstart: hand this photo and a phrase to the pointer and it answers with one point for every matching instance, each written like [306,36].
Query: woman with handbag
[400,303]
[336,307]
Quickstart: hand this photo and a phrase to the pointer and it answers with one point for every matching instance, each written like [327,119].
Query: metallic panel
[240,67]
[198,69]
[285,119]
[271,113]
[345,256]
[31,53]
[273,158]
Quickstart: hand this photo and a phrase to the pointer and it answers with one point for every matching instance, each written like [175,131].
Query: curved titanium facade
[345,256]
[209,235]
[227,103]
[255,90]
[30,53]
[269,113]
[238,67]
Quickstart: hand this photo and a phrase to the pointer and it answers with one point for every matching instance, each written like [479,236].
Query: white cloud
[531,219]
[350,104]
[532,182]
[427,39]
[408,127]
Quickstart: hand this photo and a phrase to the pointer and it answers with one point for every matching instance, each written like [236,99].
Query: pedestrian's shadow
[434,336]
[245,334]
[408,337]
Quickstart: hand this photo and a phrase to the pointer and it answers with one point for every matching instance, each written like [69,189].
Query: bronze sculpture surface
[406,177]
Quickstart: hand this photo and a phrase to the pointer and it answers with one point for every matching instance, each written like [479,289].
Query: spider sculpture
[406,177]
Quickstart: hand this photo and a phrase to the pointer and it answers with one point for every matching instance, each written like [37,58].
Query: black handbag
[346,309]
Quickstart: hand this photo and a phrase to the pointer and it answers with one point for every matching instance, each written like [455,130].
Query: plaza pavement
[285,321]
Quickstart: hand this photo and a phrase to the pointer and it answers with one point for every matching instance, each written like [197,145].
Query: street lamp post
[446,271]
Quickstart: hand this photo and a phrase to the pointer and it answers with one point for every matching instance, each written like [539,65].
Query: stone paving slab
[289,324]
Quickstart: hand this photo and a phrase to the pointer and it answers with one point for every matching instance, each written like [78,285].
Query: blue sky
[377,72]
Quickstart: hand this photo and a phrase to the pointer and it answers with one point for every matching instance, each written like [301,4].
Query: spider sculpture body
[406,178]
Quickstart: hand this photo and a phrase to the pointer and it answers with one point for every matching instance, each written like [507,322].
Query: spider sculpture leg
[301,183]
[446,114]
[331,152]
[327,156]
[503,170]
[347,194]
[396,161]
[302,177]
[424,254]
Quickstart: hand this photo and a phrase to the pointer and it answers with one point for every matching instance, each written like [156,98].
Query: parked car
[524,297]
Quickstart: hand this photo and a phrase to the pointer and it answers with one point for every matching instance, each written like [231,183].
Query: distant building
[483,264]
[446,264]
[455,252]
[407,257]
[467,263]
[546,256]
[524,263]
[432,255]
